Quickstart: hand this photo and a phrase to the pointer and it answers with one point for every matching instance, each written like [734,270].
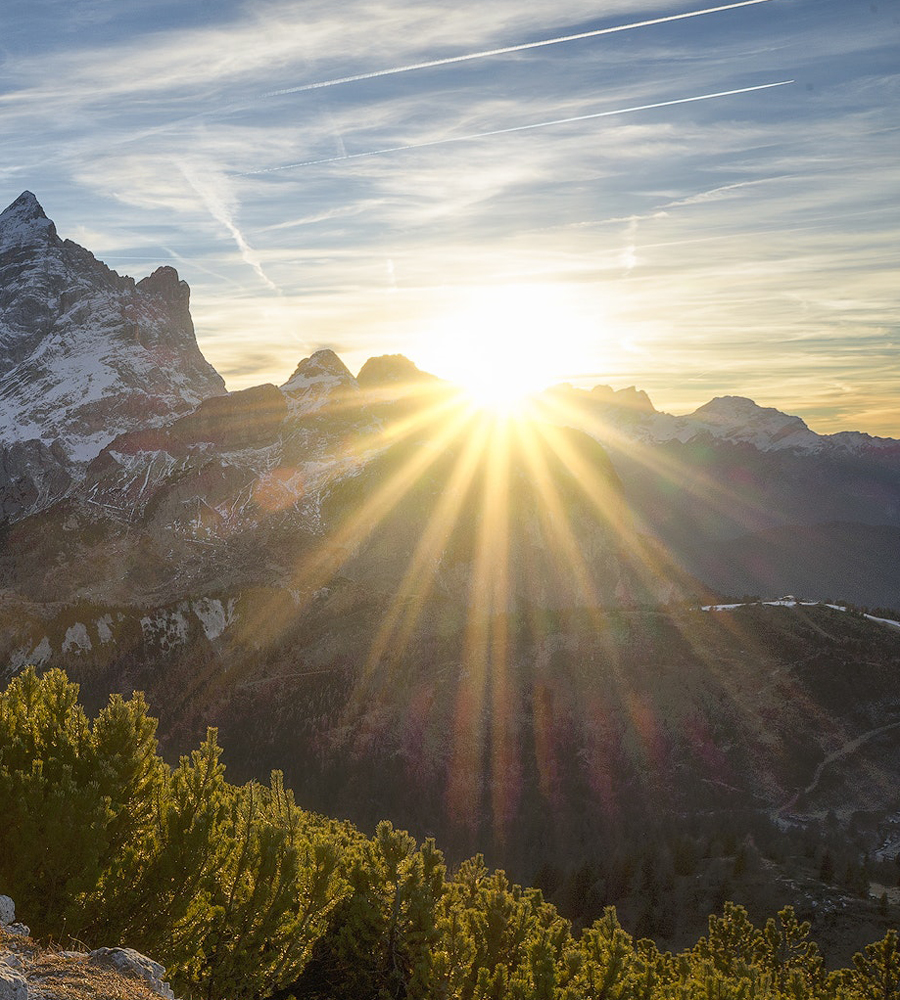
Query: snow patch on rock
[214,616]
[85,353]
[792,602]
[17,659]
[25,656]
[77,639]
[104,628]
[168,630]
[318,381]
[41,652]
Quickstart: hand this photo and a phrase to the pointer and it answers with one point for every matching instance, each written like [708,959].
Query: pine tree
[57,820]
[788,953]
[876,974]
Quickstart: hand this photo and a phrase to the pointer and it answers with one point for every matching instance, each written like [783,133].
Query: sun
[502,344]
[505,382]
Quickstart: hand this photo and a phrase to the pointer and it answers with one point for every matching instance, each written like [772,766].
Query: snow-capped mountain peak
[316,381]
[627,414]
[24,222]
[737,418]
[324,364]
[728,408]
[86,354]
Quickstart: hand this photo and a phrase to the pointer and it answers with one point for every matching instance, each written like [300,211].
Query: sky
[701,205]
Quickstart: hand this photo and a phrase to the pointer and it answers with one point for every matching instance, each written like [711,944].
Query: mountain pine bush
[243,894]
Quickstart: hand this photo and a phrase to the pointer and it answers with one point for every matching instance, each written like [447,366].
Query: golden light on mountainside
[456,545]
[503,513]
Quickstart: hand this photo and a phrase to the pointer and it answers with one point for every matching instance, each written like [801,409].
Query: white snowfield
[793,602]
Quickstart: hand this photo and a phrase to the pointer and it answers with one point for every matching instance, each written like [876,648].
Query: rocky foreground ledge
[31,972]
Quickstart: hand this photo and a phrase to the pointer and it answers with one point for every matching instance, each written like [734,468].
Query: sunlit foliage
[243,894]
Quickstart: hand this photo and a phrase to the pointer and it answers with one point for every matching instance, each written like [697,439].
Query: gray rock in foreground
[12,985]
[15,962]
[129,962]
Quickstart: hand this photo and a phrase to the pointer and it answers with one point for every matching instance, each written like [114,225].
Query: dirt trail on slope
[849,747]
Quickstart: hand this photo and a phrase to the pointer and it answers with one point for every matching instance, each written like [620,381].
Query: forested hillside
[661,760]
[241,893]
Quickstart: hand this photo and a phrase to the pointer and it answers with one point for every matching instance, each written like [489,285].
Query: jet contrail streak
[429,64]
[217,206]
[520,128]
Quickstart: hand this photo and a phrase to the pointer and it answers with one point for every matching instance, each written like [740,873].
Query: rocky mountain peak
[733,411]
[390,369]
[740,419]
[85,355]
[318,380]
[24,222]
[165,283]
[723,408]
[170,292]
[629,398]
[321,364]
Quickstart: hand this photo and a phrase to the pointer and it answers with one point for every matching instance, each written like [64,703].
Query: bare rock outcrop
[8,918]
[129,962]
[30,972]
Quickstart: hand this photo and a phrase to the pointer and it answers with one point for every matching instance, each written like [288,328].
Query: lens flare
[505,519]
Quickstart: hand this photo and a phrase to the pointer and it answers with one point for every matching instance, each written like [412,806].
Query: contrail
[486,53]
[218,208]
[520,128]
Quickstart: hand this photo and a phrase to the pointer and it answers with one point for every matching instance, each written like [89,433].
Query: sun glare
[504,343]
[496,503]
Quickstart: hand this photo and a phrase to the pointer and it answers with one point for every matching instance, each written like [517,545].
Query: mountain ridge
[106,402]
[84,352]
[24,224]
[606,412]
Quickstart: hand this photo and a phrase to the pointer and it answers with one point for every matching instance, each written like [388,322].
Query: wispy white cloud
[314,219]
[274,39]
[529,126]
[749,237]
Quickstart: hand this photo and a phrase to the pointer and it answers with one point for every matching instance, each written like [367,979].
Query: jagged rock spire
[24,221]
[85,353]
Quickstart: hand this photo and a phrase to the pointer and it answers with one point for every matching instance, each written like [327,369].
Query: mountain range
[107,404]
[418,611]
[749,499]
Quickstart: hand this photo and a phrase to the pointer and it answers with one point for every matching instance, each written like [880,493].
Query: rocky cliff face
[85,355]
